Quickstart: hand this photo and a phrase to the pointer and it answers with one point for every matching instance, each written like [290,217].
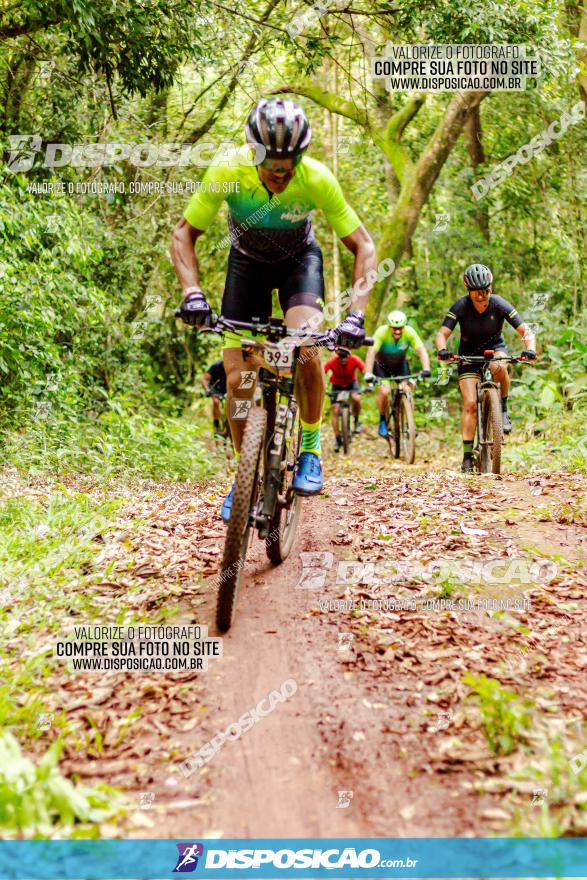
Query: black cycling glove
[195,311]
[351,331]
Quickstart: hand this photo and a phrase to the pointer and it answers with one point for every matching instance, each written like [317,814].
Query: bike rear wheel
[407,430]
[239,526]
[492,427]
[285,521]
[345,430]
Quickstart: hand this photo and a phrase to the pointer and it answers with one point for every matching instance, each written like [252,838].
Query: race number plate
[342,396]
[279,358]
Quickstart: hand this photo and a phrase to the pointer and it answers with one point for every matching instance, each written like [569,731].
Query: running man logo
[344,800]
[441,223]
[240,409]
[247,379]
[187,861]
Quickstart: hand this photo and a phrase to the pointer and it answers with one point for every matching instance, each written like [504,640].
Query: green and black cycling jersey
[268,227]
[391,353]
[481,331]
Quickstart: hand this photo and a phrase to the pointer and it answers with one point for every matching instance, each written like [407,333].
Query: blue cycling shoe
[383,432]
[227,505]
[308,479]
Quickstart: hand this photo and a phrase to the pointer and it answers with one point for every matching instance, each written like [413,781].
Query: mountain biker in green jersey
[481,316]
[273,247]
[388,357]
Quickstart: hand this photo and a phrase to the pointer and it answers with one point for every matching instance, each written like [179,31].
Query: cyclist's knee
[234,380]
[309,358]
[470,407]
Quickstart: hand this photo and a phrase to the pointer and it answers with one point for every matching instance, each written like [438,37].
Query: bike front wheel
[492,432]
[407,430]
[239,526]
[345,430]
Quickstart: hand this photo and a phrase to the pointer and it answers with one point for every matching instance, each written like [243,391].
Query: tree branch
[332,102]
[390,140]
[9,31]
[248,51]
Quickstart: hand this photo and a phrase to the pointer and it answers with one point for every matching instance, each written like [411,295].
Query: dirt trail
[367,719]
[381,711]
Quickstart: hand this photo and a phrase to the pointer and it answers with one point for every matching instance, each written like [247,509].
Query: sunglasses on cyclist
[281,166]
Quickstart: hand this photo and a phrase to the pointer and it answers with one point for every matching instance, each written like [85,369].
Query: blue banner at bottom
[365,858]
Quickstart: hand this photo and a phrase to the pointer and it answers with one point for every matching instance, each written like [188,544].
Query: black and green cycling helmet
[281,126]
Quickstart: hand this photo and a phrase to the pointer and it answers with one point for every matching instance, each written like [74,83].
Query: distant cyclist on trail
[481,315]
[343,376]
[387,357]
[273,247]
[214,382]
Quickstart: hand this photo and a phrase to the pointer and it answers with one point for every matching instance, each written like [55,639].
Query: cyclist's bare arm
[442,338]
[183,254]
[206,381]
[370,360]
[528,337]
[360,244]
[423,355]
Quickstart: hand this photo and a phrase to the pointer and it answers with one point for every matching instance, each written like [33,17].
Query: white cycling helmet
[397,319]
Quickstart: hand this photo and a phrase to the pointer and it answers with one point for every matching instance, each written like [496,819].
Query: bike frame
[394,404]
[285,413]
[278,388]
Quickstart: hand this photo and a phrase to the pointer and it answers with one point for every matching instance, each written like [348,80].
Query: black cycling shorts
[472,371]
[387,371]
[354,386]
[299,281]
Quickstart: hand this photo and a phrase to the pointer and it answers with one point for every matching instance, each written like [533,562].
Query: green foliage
[506,716]
[40,540]
[119,442]
[143,44]
[37,800]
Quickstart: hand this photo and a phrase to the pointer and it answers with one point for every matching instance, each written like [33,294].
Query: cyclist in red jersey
[343,376]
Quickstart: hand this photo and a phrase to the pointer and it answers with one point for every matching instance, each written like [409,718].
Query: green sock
[468,447]
[311,437]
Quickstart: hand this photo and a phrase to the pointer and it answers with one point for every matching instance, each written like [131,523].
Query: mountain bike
[264,499]
[401,427]
[489,436]
[343,399]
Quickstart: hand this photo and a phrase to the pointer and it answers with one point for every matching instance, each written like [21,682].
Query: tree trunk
[477,154]
[417,181]
[577,18]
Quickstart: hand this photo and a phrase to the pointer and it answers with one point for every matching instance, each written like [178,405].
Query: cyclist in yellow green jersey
[388,357]
[273,247]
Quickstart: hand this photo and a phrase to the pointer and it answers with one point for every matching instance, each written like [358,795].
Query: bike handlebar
[487,357]
[379,379]
[327,339]
[334,394]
